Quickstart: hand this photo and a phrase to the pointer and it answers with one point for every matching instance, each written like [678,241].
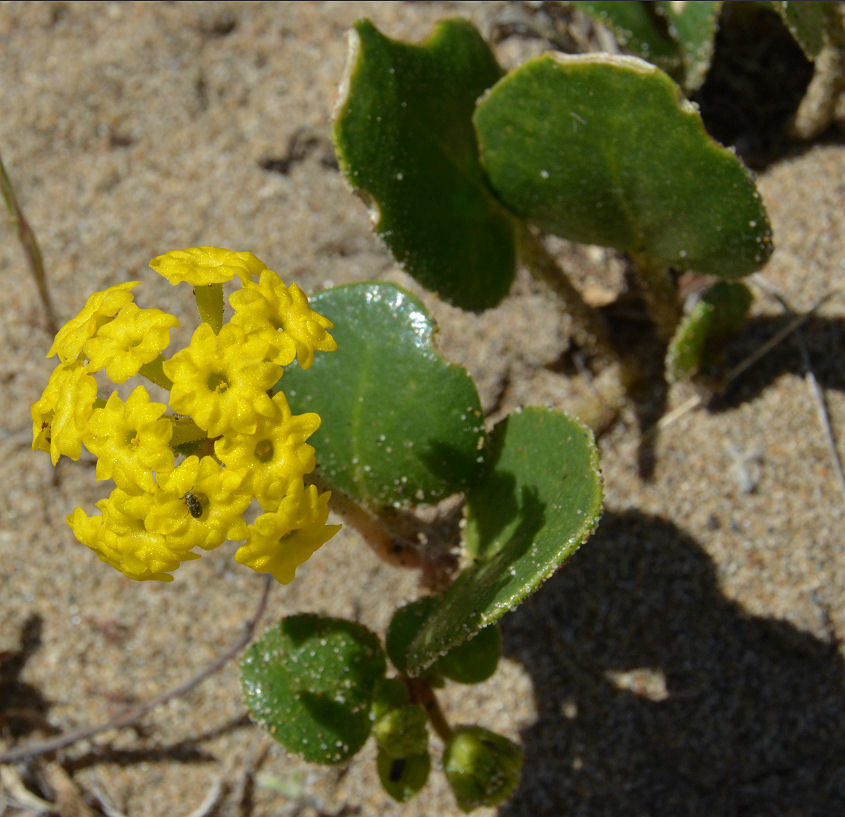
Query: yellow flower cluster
[184,477]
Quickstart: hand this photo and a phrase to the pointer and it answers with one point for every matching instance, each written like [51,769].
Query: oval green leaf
[539,500]
[404,628]
[475,660]
[636,27]
[693,27]
[400,424]
[389,693]
[807,21]
[605,150]
[719,312]
[404,139]
[309,682]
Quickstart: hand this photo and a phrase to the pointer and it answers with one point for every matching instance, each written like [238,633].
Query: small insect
[194,505]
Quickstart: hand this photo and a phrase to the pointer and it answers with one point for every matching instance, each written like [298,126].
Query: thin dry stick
[105,803]
[812,382]
[30,247]
[821,408]
[211,799]
[135,713]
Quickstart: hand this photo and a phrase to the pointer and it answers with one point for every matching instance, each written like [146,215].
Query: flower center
[264,450]
[217,382]
[132,440]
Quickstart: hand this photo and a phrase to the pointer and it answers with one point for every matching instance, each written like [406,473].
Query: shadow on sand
[744,716]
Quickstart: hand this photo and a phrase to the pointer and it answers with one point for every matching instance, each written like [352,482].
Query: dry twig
[135,713]
[812,382]
[30,247]
[19,795]
[211,799]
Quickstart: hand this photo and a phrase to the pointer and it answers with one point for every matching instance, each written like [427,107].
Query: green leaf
[604,150]
[400,425]
[402,778]
[693,27]
[389,693]
[635,28]
[404,628]
[539,500]
[807,22]
[404,138]
[474,661]
[719,312]
[309,682]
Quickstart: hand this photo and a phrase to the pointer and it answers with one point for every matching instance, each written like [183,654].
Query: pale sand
[684,663]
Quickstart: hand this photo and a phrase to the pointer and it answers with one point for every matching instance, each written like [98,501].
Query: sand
[687,661]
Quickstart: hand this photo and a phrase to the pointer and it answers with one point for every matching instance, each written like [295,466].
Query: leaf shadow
[658,695]
[823,338]
[488,577]
[756,80]
[450,464]
[23,707]
[346,723]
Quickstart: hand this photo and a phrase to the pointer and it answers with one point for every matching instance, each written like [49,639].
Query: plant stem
[818,107]
[210,305]
[371,529]
[422,694]
[659,293]
[154,372]
[30,246]
[588,329]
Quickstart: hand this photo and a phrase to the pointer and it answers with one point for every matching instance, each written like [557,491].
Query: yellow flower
[221,380]
[281,315]
[123,345]
[122,540]
[148,535]
[130,440]
[201,266]
[281,541]
[274,455]
[159,512]
[198,504]
[60,415]
[100,308]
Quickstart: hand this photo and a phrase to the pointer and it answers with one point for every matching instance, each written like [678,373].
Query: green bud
[476,660]
[403,777]
[389,693]
[402,732]
[483,768]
